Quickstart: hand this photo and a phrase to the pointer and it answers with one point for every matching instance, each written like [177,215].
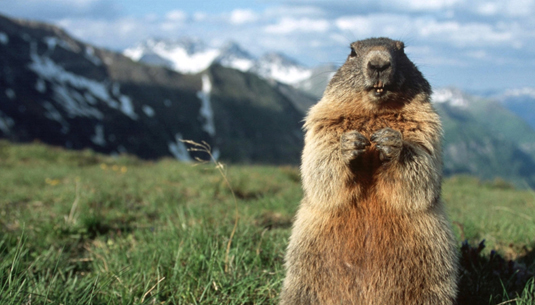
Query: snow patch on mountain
[74,103]
[134,53]
[6,123]
[453,97]
[216,153]
[179,150]
[148,111]
[52,42]
[90,55]
[4,39]
[243,65]
[127,107]
[53,114]
[40,85]
[233,56]
[10,94]
[206,112]
[67,85]
[98,138]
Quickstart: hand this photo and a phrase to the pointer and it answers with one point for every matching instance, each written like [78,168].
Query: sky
[474,45]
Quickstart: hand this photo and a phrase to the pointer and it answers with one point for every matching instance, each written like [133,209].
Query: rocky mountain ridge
[61,91]
[192,55]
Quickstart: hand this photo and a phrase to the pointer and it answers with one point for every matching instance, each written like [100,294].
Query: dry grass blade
[507,302]
[70,219]
[205,147]
[506,209]
[150,290]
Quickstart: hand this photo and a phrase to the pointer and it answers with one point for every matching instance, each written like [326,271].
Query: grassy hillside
[479,140]
[82,228]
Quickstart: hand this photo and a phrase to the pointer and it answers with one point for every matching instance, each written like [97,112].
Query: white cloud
[359,24]
[430,29]
[478,54]
[294,11]
[510,8]
[200,16]
[241,16]
[114,34]
[425,5]
[289,25]
[390,25]
[468,34]
[438,33]
[71,3]
[58,9]
[487,8]
[174,20]
[176,15]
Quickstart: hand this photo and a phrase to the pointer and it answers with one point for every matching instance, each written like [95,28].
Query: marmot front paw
[388,142]
[352,145]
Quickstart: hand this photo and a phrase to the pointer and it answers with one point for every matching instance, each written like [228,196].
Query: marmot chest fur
[371,228]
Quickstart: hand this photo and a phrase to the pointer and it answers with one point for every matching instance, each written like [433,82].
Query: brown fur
[372,230]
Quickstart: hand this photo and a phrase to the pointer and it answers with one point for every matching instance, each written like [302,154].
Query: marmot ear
[400,45]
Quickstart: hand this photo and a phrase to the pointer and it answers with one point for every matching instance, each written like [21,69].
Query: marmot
[371,228]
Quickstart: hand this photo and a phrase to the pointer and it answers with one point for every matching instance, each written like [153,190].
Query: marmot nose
[378,64]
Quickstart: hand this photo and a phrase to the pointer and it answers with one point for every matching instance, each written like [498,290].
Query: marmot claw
[352,145]
[388,142]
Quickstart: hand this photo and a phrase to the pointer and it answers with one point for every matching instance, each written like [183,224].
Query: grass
[82,228]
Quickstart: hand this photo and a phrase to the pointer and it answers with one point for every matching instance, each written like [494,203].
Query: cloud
[176,16]
[511,8]
[467,34]
[241,16]
[288,25]
[116,34]
[390,25]
[429,29]
[440,34]
[200,16]
[424,5]
[306,10]
[174,21]
[59,9]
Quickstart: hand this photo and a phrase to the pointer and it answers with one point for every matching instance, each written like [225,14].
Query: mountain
[483,138]
[61,91]
[232,55]
[184,55]
[191,55]
[281,68]
[318,80]
[521,102]
[64,92]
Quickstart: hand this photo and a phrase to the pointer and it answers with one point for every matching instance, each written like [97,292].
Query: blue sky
[474,45]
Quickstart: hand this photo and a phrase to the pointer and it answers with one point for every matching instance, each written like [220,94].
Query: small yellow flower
[103,166]
[124,169]
[51,181]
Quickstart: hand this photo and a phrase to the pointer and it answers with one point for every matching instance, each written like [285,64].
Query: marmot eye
[353,53]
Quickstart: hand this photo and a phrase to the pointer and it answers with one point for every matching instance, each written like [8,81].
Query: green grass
[82,228]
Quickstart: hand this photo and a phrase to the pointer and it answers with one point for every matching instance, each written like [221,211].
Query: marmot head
[379,70]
